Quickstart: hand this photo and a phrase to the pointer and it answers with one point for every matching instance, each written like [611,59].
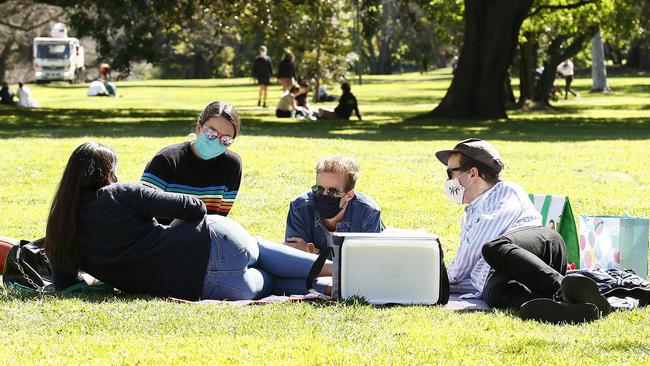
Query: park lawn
[593,149]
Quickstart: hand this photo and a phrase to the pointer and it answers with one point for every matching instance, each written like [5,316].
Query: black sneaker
[258,103]
[547,310]
[579,289]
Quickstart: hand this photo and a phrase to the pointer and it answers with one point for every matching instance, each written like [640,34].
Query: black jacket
[286,69]
[123,245]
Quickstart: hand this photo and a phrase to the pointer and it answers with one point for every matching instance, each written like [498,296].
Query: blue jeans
[242,267]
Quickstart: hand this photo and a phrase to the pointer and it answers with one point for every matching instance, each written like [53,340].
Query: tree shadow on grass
[399,126]
[85,296]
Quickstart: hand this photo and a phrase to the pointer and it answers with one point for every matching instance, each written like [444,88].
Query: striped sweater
[214,181]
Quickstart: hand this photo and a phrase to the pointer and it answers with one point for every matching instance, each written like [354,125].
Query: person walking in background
[566,70]
[262,71]
[287,70]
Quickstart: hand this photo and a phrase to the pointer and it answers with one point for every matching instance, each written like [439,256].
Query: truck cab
[58,58]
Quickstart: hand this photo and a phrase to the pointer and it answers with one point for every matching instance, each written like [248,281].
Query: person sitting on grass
[332,205]
[108,229]
[505,255]
[205,167]
[302,105]
[347,105]
[287,104]
[97,89]
[25,97]
[6,96]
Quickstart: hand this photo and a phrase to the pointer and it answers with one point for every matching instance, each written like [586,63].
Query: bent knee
[490,248]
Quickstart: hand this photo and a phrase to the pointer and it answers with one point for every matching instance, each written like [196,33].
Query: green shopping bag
[557,214]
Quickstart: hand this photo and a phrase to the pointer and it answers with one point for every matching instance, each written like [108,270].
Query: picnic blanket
[455,303]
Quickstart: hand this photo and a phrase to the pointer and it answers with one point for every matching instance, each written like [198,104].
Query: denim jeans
[242,267]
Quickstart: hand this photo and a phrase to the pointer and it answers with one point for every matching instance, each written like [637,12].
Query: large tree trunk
[491,31]
[4,57]
[527,64]
[598,70]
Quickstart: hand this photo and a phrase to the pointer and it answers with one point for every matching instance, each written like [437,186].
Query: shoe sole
[549,311]
[579,289]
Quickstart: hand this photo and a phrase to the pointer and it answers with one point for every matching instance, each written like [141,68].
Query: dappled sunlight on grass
[593,149]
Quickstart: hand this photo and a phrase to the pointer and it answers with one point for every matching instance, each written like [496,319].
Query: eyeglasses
[329,192]
[212,134]
[450,171]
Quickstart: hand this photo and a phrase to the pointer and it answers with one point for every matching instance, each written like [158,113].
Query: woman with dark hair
[347,105]
[108,230]
[205,167]
[287,70]
[6,96]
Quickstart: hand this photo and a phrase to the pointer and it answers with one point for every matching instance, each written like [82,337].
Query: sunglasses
[212,134]
[329,192]
[450,171]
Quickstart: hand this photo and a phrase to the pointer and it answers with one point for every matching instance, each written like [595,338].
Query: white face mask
[455,191]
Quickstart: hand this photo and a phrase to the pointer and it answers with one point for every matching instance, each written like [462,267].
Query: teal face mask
[208,149]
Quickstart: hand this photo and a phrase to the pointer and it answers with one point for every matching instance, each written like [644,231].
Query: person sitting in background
[324,96]
[347,105]
[331,205]
[97,89]
[287,105]
[6,96]
[302,104]
[25,97]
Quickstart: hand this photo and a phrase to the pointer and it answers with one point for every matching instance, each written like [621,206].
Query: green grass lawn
[594,149]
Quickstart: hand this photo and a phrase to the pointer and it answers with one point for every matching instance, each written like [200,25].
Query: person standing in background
[287,70]
[262,71]
[566,70]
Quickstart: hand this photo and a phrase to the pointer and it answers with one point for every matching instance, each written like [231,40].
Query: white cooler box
[400,267]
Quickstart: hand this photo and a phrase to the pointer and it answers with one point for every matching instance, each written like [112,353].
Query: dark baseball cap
[477,149]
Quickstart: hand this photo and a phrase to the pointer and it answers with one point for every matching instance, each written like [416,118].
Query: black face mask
[328,207]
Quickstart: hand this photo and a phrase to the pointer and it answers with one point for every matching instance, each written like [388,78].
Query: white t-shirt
[97,88]
[286,102]
[566,68]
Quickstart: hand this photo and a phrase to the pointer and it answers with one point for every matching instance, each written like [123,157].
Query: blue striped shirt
[502,208]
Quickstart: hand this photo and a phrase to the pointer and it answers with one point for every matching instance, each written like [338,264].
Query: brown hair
[488,174]
[221,109]
[288,54]
[347,166]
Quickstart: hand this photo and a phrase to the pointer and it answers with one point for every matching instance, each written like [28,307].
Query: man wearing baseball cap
[505,255]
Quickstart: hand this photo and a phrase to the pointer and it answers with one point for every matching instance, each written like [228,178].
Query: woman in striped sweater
[205,167]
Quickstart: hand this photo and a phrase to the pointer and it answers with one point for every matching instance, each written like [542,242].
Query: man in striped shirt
[505,255]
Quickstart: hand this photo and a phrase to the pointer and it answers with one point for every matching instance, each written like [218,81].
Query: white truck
[58,57]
